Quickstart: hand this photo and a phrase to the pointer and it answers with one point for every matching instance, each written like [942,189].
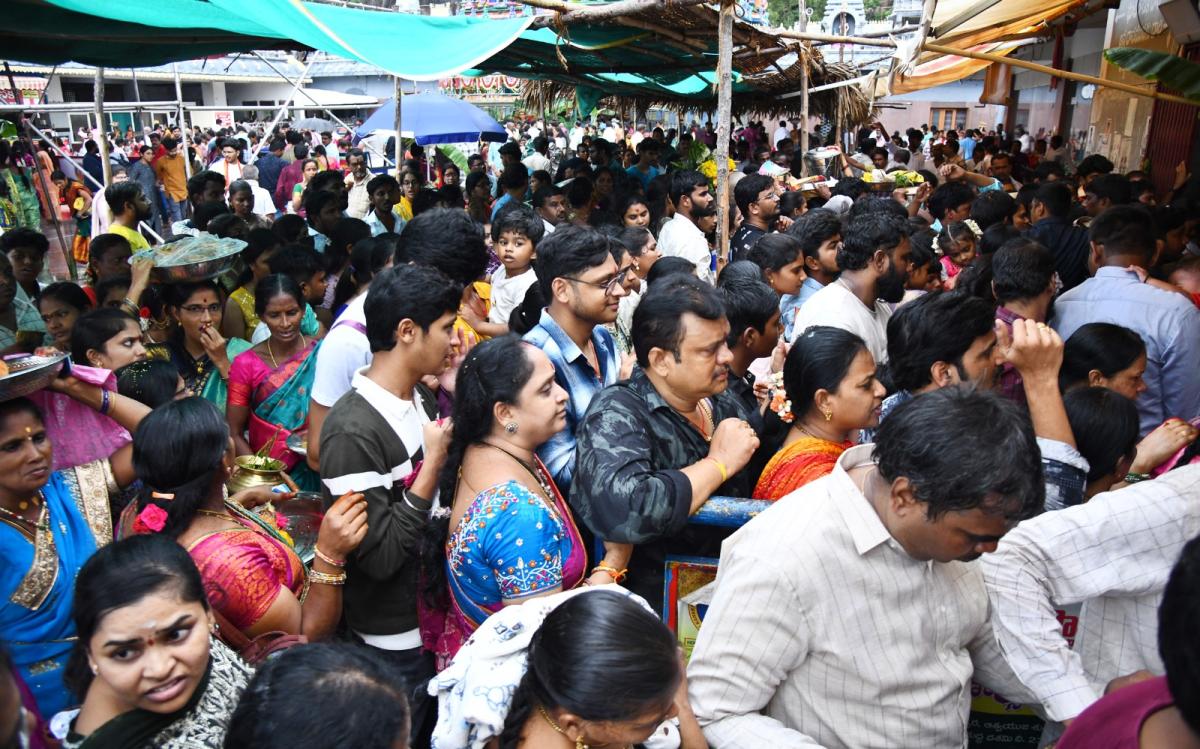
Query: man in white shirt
[358,199]
[874,258]
[344,351]
[852,613]
[680,237]
[781,133]
[1113,555]
[538,160]
[263,204]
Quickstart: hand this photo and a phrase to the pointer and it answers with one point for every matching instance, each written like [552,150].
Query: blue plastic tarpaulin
[436,118]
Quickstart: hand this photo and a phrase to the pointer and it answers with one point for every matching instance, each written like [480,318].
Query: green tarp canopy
[138,33]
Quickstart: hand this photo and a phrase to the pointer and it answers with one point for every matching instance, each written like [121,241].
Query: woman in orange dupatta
[829,393]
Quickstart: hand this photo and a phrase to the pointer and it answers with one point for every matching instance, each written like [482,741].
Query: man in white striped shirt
[852,613]
[1114,555]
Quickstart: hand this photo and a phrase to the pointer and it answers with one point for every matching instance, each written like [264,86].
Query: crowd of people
[513,383]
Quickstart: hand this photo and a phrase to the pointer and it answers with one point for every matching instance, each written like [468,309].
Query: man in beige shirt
[852,613]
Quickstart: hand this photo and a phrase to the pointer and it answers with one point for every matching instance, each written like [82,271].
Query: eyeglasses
[611,284]
[200,309]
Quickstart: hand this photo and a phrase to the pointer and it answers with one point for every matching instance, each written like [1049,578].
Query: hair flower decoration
[779,402]
[974,227]
[152,519]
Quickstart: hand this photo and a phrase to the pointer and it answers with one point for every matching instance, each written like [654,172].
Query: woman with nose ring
[201,354]
[269,385]
[50,523]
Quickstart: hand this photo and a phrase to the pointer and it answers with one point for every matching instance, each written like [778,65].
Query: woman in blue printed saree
[197,348]
[269,385]
[509,535]
[50,523]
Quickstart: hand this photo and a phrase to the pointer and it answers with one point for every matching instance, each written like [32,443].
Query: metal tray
[29,373]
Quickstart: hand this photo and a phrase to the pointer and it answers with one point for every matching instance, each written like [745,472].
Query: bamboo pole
[101,125]
[399,121]
[579,13]
[804,98]
[724,107]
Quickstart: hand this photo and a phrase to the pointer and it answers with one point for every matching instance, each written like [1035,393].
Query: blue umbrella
[436,118]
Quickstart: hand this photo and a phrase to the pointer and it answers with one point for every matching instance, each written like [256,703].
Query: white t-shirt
[781,133]
[681,238]
[508,293]
[536,161]
[836,306]
[344,351]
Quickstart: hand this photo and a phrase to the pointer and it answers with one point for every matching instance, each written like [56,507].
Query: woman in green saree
[270,384]
[198,350]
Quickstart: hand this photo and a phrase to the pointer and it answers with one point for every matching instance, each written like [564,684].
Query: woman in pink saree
[269,384]
[511,536]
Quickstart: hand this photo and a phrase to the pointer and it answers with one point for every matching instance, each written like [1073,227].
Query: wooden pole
[804,98]
[183,130]
[724,116]
[101,125]
[579,13]
[1069,75]
[137,96]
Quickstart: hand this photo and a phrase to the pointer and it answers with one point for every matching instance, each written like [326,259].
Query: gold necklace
[578,742]
[274,365]
[223,515]
[42,523]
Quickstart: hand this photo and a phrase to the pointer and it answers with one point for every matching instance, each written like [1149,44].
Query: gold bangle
[327,559]
[616,574]
[720,467]
[322,578]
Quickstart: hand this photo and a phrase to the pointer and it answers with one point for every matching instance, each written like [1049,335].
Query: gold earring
[828,415]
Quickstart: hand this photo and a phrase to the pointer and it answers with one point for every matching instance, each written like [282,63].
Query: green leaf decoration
[1171,71]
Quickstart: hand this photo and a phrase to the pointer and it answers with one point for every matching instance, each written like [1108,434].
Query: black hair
[749,303]
[935,327]
[992,207]
[790,201]
[526,315]
[567,253]
[1045,169]
[240,185]
[1102,346]
[996,236]
[514,176]
[635,238]
[407,292]
[68,293]
[1114,187]
[1093,164]
[544,193]
[876,204]
[298,261]
[658,318]
[472,181]
[228,224]
[316,200]
[954,231]
[683,183]
[381,180]
[446,239]
[120,194]
[672,265]
[105,287]
[579,191]
[921,243]
[152,382]
[1021,269]
[276,284]
[364,701]
[290,228]
[945,443]
[747,189]
[121,574]
[622,203]
[739,271]
[851,187]
[948,197]
[819,359]
[1176,639]
[25,238]
[426,199]
[346,232]
[178,293]
[868,233]
[1055,197]
[451,196]
[774,251]
[102,244]
[599,655]
[366,259]
[258,241]
[93,330]
[1105,425]
[517,218]
[814,229]
[206,212]
[493,372]
[197,183]
[177,450]
[1124,230]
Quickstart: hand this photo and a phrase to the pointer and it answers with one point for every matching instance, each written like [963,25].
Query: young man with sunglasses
[581,285]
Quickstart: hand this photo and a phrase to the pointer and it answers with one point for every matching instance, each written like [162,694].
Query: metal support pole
[12,82]
[101,125]
[183,130]
[283,110]
[62,240]
[724,115]
[399,146]
[137,96]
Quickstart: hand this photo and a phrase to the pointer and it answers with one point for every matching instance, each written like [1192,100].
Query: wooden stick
[102,126]
[724,126]
[637,23]
[1069,75]
[803,97]
[579,13]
